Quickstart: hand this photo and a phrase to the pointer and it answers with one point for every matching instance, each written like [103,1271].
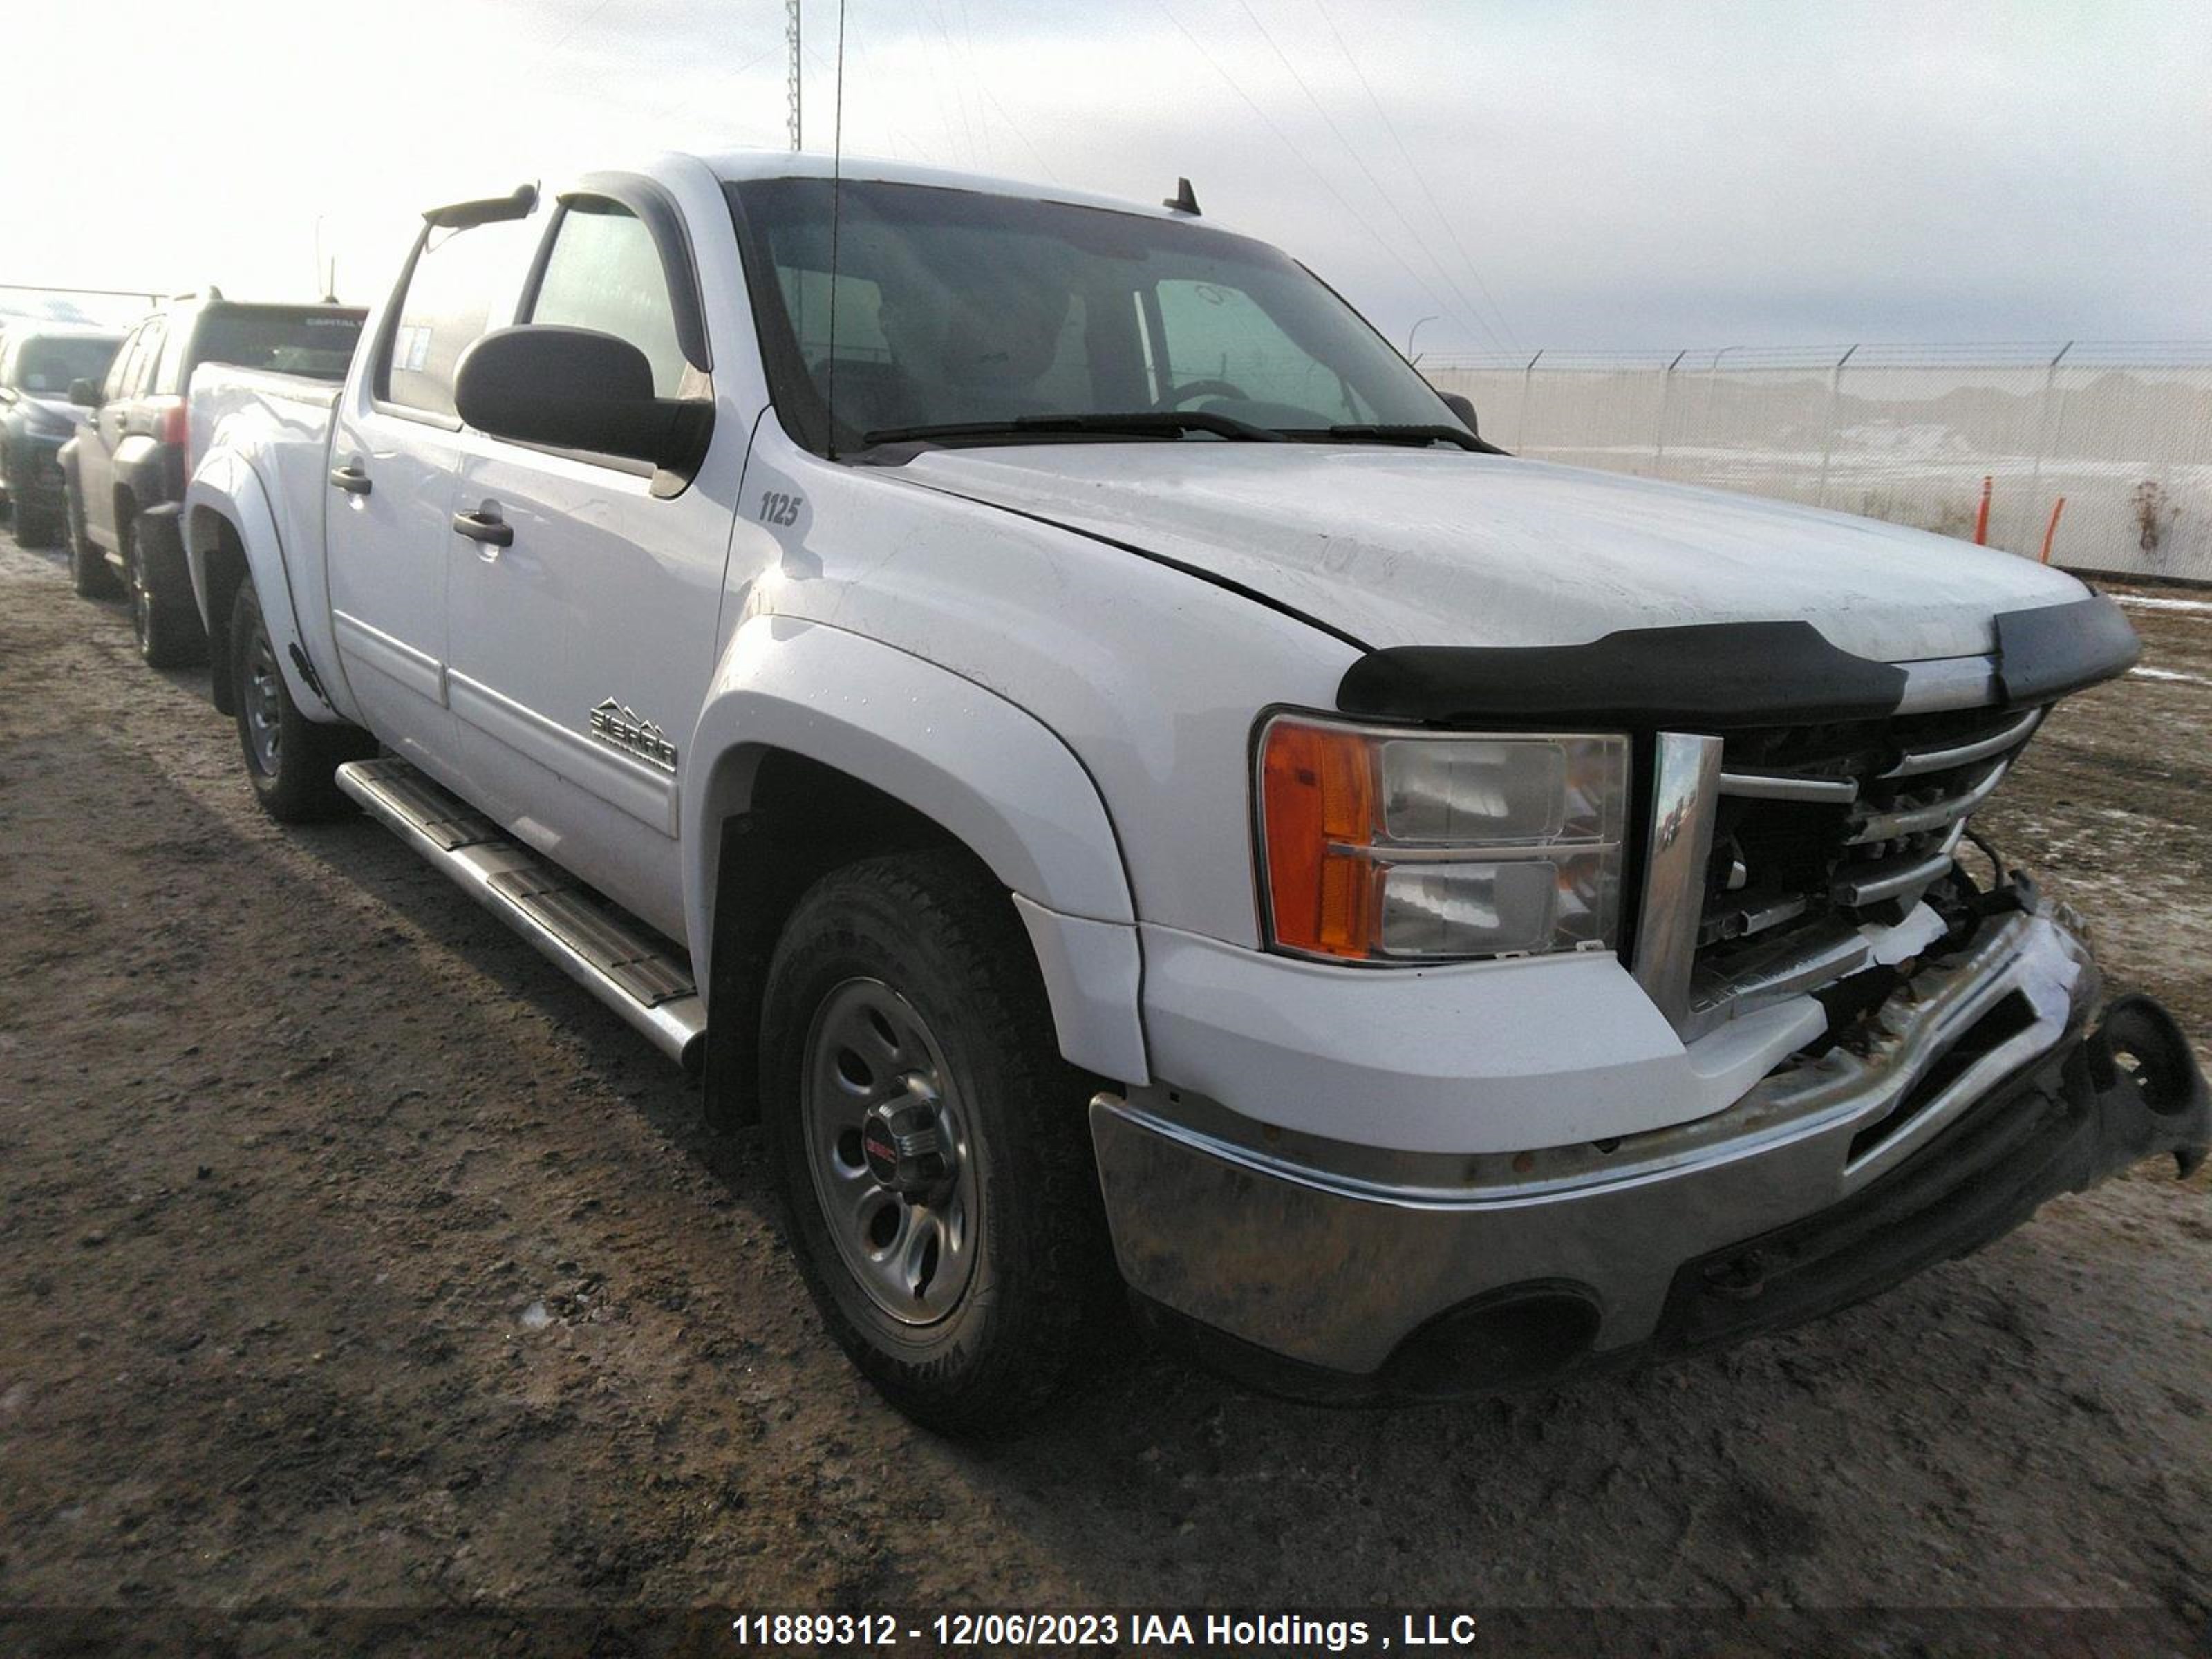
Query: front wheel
[931,1145]
[291,760]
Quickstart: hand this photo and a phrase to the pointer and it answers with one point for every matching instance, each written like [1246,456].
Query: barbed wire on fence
[2098,453]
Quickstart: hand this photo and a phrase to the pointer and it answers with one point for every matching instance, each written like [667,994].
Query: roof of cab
[741,164]
[25,329]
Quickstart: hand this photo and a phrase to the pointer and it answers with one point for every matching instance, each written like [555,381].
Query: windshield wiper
[1142,423]
[1386,432]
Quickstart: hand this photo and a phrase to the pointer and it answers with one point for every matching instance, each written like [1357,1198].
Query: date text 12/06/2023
[1141,1630]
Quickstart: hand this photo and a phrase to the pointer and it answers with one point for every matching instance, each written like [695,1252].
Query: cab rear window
[316,344]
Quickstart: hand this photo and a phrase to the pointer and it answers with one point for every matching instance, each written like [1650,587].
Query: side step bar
[612,955]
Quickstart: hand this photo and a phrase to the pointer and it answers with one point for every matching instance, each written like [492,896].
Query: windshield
[45,367]
[958,308]
[317,344]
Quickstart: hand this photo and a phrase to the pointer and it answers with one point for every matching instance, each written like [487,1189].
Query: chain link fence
[2122,434]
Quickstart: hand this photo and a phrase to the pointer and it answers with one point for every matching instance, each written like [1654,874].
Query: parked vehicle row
[38,363]
[1041,707]
[125,469]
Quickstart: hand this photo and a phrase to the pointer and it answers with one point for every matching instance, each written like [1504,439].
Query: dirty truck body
[1456,918]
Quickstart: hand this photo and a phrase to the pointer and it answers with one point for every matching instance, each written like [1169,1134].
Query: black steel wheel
[291,760]
[931,1145]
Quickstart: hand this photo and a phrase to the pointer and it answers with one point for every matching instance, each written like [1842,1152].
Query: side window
[605,273]
[125,364]
[1215,332]
[168,372]
[149,359]
[462,287]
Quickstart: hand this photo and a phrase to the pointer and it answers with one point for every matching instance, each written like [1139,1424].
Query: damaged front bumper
[1951,1112]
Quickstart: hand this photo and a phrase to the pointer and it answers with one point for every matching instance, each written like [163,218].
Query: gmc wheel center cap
[903,1140]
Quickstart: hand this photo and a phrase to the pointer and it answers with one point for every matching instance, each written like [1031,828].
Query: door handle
[351,479]
[482,527]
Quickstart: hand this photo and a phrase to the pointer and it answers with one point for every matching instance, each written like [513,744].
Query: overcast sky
[1532,174]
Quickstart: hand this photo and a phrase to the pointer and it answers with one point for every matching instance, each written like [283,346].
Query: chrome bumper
[1326,1257]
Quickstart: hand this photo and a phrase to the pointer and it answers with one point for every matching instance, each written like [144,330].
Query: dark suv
[127,467]
[39,362]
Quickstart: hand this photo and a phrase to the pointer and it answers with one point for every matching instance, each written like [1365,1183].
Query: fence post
[1712,378]
[2043,434]
[1828,428]
[1659,438]
[1521,419]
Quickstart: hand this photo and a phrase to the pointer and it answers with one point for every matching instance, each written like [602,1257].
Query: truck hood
[1440,547]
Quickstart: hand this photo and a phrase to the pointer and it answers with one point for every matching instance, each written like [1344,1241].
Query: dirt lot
[350,1256]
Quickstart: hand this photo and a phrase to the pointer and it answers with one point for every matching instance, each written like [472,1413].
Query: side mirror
[575,388]
[1463,407]
[85,394]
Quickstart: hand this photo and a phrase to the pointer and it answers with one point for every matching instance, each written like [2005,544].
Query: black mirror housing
[575,388]
[1463,406]
[85,394]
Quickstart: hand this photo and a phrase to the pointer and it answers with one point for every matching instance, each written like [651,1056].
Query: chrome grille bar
[1918,760]
[1870,883]
[1783,785]
[1917,820]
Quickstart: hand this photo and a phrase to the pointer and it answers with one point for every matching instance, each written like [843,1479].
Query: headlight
[1384,846]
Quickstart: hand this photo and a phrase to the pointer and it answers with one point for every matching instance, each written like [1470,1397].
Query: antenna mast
[791,76]
[836,208]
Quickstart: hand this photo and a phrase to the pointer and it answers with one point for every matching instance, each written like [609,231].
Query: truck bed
[279,425]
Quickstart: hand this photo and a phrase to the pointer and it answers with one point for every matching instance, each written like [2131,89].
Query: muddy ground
[351,1256]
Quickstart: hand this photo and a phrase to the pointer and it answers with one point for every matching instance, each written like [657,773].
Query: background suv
[39,361]
[126,468]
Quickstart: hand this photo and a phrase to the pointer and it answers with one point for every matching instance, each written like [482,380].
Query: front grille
[1821,827]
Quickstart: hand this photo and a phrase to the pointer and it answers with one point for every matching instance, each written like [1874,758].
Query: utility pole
[793,79]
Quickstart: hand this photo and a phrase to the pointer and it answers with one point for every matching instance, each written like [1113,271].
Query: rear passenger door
[581,649]
[103,432]
[394,469]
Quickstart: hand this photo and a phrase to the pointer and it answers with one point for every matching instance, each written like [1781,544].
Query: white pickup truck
[1042,706]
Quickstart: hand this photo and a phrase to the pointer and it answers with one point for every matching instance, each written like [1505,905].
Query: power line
[1284,139]
[1412,166]
[1468,310]
[570,33]
[959,91]
[1017,132]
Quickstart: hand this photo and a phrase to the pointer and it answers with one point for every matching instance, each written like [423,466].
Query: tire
[291,760]
[169,636]
[90,573]
[903,998]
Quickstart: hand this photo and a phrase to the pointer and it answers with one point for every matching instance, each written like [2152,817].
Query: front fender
[984,770]
[224,487]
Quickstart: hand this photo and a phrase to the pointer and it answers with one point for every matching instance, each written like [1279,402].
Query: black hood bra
[1716,675]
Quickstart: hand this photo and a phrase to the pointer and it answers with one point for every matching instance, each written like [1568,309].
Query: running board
[610,954]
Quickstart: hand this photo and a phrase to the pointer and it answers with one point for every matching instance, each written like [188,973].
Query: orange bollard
[1982,518]
[2051,529]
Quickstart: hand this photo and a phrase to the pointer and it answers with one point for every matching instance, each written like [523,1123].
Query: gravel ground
[350,1257]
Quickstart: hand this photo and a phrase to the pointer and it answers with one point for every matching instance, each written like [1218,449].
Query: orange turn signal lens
[1382,845]
[1317,804]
